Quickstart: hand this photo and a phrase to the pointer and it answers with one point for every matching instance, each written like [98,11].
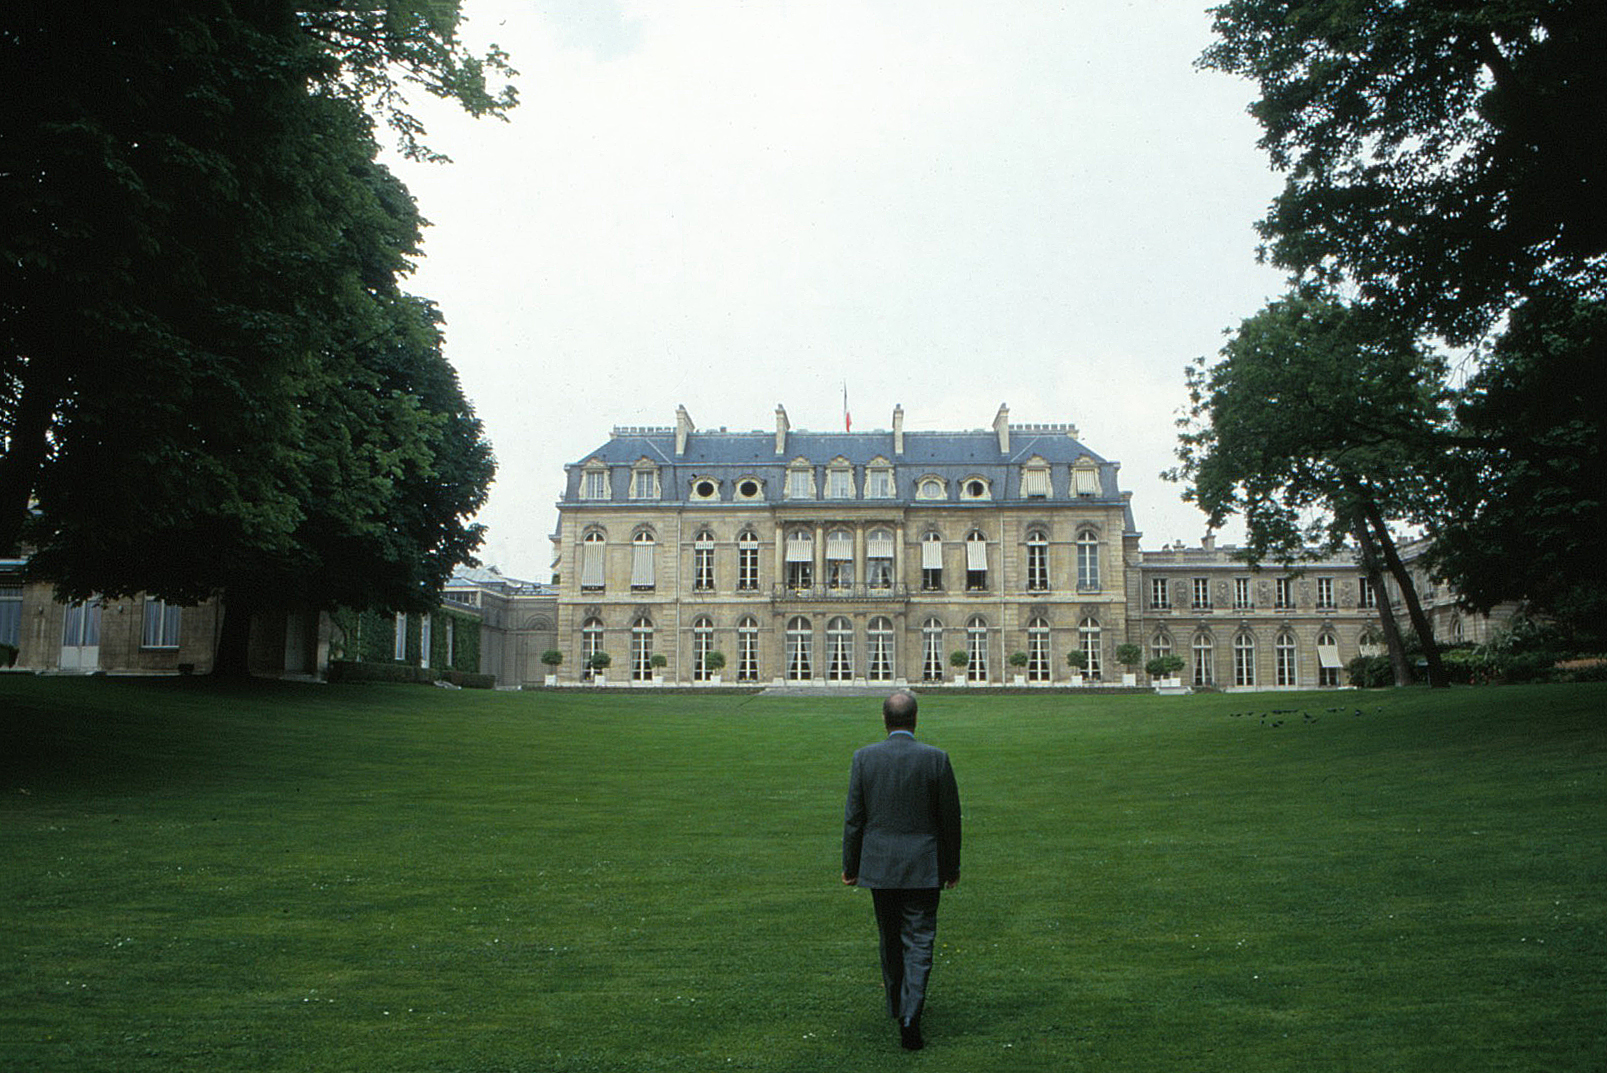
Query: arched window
[1283,651]
[1038,662]
[976,647]
[642,649]
[1089,639]
[591,643]
[1204,659]
[840,560]
[976,561]
[592,576]
[1087,561]
[879,559]
[800,560]
[748,649]
[932,650]
[747,561]
[800,649]
[839,650]
[879,650]
[703,562]
[1160,644]
[702,645]
[1244,659]
[932,562]
[1328,666]
[642,561]
[1037,561]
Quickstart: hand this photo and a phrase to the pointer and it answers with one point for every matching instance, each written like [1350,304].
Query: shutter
[800,548]
[642,566]
[879,547]
[840,546]
[591,566]
[976,555]
[1328,656]
[931,555]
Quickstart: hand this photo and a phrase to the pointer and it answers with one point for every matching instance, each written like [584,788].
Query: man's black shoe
[909,1033]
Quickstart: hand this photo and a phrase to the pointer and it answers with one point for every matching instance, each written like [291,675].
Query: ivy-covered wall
[370,637]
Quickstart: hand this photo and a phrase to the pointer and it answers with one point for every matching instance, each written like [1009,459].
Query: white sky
[947,205]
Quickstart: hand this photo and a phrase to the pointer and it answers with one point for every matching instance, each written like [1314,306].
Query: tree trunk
[1386,613]
[1414,607]
[233,657]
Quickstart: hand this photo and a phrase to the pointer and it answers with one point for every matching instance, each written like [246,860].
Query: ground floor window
[1284,656]
[879,650]
[932,650]
[839,650]
[800,650]
[642,650]
[1204,659]
[702,645]
[1038,662]
[748,650]
[1244,660]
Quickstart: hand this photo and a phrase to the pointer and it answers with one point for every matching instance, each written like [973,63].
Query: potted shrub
[1129,655]
[1018,660]
[713,664]
[1077,660]
[1164,670]
[658,661]
[959,659]
[598,664]
[552,658]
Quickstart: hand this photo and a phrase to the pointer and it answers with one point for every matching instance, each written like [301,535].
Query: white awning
[642,566]
[879,547]
[591,566]
[800,548]
[976,555]
[839,546]
[1035,482]
[1328,656]
[931,555]
[1085,482]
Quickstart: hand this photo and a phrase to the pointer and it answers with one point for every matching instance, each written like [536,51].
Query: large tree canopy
[210,378]
[1445,172]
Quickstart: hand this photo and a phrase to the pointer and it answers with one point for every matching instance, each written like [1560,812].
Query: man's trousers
[907,921]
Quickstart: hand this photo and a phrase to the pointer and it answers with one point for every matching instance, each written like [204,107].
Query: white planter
[552,679]
[599,679]
[1076,681]
[1019,679]
[658,679]
[959,679]
[1129,679]
[714,679]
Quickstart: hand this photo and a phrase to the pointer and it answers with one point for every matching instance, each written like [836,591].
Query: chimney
[782,428]
[898,429]
[1208,542]
[1001,426]
[683,430]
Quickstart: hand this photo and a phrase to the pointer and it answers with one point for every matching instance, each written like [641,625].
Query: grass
[395,878]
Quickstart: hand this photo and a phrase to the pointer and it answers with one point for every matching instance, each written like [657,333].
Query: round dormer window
[748,489]
[704,489]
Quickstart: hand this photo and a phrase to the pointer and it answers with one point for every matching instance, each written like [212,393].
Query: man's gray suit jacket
[901,826]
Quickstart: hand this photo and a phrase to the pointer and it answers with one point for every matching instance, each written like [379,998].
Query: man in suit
[901,839]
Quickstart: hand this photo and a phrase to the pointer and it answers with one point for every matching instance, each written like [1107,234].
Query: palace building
[896,556]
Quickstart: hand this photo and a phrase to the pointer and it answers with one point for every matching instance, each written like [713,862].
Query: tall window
[1204,660]
[840,482]
[591,562]
[1241,594]
[11,615]
[644,482]
[748,649]
[161,624]
[1038,662]
[879,650]
[399,638]
[1087,561]
[800,649]
[591,643]
[931,563]
[1244,659]
[703,562]
[1325,593]
[976,561]
[1365,597]
[800,559]
[1283,651]
[702,645]
[840,559]
[1160,645]
[425,638]
[932,650]
[1089,638]
[642,561]
[1202,594]
[976,646]
[1160,594]
[1283,593]
[642,649]
[747,561]
[1037,561]
[1328,665]
[839,650]
[879,559]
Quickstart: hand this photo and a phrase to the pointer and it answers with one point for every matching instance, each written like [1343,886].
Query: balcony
[838,594]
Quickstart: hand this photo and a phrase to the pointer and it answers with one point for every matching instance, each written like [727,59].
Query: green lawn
[334,878]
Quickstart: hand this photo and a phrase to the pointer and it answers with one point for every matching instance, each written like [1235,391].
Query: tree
[552,658]
[1317,425]
[1438,173]
[1165,666]
[210,379]
[1129,655]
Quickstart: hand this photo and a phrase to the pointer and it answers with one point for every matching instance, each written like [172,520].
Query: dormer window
[644,481]
[879,479]
[1035,479]
[749,488]
[800,480]
[594,482]
[704,488]
[1085,479]
[931,488]
[840,480]
[975,488]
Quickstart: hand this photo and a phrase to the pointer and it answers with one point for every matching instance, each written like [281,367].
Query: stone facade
[874,556]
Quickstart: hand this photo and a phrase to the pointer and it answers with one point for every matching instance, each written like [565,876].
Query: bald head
[898,711]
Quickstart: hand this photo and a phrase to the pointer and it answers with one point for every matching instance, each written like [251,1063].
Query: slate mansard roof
[729,457]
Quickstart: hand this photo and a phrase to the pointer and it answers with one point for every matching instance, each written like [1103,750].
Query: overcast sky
[946,205]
